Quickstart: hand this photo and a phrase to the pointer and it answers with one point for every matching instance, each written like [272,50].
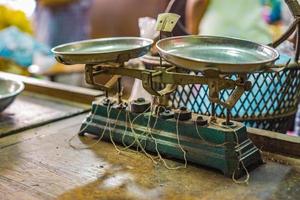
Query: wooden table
[39,163]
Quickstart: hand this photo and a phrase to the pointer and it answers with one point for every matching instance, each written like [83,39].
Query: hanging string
[126,127]
[246,180]
[131,122]
[148,127]
[110,131]
[210,143]
[156,147]
[178,140]
[87,125]
[148,131]
[136,139]
[135,135]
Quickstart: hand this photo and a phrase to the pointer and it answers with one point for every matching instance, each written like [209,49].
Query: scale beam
[171,79]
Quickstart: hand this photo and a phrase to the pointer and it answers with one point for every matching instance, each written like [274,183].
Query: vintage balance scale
[177,133]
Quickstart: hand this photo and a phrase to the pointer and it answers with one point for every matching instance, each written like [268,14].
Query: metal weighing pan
[227,55]
[116,49]
[9,89]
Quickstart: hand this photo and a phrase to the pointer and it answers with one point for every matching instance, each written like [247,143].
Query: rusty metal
[140,105]
[182,114]
[171,79]
[166,114]
[200,121]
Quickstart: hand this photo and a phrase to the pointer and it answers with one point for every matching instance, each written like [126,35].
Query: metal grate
[271,104]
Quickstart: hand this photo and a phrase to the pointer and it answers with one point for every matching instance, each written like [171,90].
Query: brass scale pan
[197,53]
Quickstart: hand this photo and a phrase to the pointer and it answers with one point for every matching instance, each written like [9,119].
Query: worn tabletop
[32,110]
[40,164]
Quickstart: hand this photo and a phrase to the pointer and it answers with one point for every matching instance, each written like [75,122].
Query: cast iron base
[205,150]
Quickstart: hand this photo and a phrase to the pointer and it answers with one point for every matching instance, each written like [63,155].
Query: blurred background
[30,28]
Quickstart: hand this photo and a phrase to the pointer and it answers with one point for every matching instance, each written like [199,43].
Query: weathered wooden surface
[30,110]
[40,164]
[275,142]
[66,92]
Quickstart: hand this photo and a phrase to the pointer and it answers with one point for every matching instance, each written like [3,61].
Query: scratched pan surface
[227,55]
[116,49]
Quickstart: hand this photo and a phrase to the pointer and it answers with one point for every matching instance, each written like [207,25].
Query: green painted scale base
[203,150]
